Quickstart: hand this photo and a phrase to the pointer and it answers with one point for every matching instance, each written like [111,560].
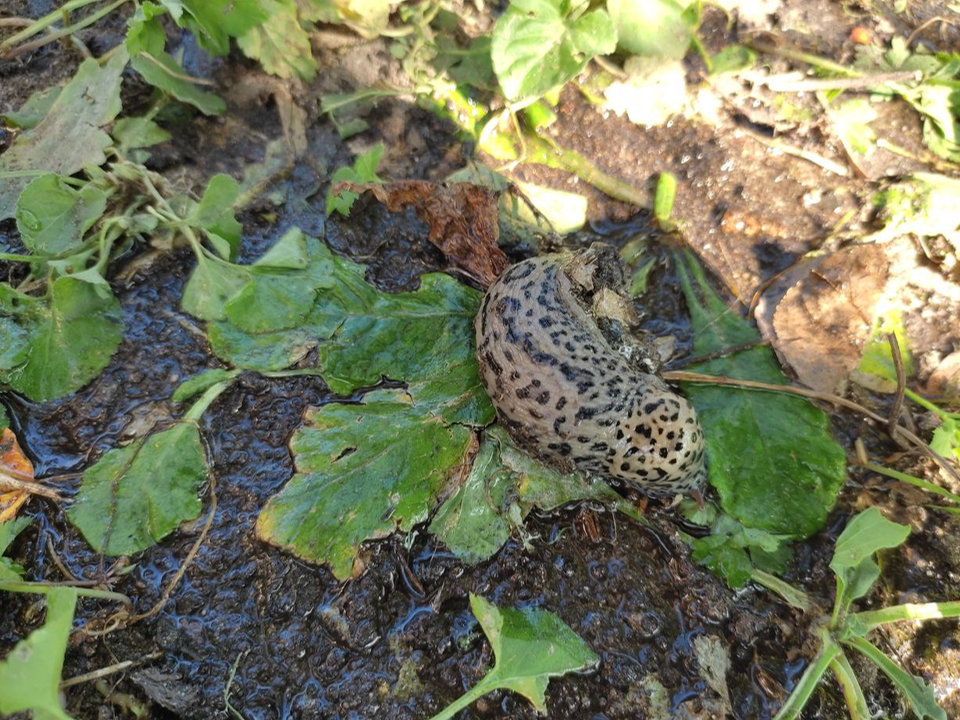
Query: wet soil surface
[400,640]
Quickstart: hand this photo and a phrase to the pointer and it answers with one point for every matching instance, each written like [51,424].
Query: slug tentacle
[573,395]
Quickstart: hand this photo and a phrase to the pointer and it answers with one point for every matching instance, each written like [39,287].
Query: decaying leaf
[13,463]
[819,314]
[462,218]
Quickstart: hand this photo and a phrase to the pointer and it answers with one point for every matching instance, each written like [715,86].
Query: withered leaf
[819,314]
[462,218]
[14,464]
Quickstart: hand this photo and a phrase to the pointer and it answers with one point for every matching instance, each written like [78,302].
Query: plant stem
[475,693]
[64,32]
[915,481]
[852,692]
[794,705]
[546,153]
[808,58]
[45,22]
[213,392]
[791,595]
[42,588]
[909,611]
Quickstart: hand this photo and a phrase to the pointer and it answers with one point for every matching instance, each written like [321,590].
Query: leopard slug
[573,386]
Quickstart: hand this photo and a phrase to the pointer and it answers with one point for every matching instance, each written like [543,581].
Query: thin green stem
[909,611]
[791,595]
[64,32]
[43,588]
[808,58]
[475,693]
[213,392]
[852,692]
[45,22]
[915,481]
[794,704]
[544,153]
[924,403]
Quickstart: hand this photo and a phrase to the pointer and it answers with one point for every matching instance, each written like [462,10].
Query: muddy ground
[400,641]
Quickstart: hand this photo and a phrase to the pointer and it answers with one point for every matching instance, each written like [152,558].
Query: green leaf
[264,352]
[539,44]
[30,675]
[214,22]
[33,110]
[131,133]
[851,121]
[731,551]
[145,42]
[364,170]
[946,438]
[530,647]
[770,455]
[53,217]
[210,286]
[214,213]
[853,561]
[504,485]
[9,570]
[866,534]
[163,72]
[14,344]
[651,27]
[280,44]
[733,59]
[363,471]
[923,204]
[72,338]
[878,355]
[920,695]
[69,137]
[135,496]
[412,336]
[201,382]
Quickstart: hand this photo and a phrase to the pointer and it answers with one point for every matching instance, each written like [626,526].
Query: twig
[924,25]
[808,155]
[8,483]
[780,84]
[123,619]
[723,352]
[226,689]
[56,561]
[685,376]
[15,22]
[109,670]
[62,33]
[901,385]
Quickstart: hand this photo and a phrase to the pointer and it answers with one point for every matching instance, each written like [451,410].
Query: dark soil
[400,641]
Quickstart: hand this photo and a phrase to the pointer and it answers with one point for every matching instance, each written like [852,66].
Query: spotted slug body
[578,396]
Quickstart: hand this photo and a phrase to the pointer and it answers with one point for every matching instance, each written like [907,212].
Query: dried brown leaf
[462,218]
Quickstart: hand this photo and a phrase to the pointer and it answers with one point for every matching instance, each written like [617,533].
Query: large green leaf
[530,647]
[770,455]
[654,28]
[52,217]
[136,495]
[72,337]
[363,470]
[280,44]
[504,485]
[69,136]
[214,22]
[540,44]
[30,675]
